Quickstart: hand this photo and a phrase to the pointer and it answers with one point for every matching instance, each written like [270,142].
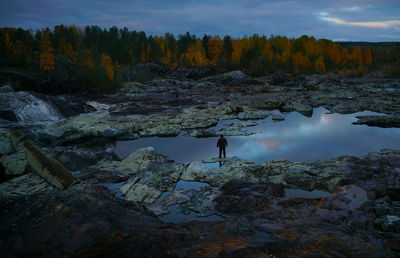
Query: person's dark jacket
[222,143]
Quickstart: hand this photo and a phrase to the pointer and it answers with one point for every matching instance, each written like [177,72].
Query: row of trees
[98,52]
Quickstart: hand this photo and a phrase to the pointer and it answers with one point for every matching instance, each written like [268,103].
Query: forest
[97,54]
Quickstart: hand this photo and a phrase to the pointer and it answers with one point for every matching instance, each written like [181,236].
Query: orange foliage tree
[47,61]
[195,55]
[106,63]
[319,65]
[300,61]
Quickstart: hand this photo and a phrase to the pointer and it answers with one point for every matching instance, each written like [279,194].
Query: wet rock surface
[380,121]
[252,217]
[219,208]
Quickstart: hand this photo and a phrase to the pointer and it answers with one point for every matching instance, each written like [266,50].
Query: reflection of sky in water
[298,138]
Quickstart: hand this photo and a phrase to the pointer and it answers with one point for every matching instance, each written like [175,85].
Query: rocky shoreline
[360,216]
[239,209]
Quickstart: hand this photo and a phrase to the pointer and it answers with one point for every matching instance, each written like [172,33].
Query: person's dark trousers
[222,151]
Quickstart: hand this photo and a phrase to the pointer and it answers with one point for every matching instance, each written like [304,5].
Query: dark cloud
[338,20]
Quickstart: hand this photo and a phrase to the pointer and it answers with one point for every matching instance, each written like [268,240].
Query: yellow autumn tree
[319,65]
[237,51]
[195,55]
[367,54]
[356,56]
[47,61]
[106,63]
[334,54]
[266,50]
[301,61]
[312,48]
[286,53]
[215,49]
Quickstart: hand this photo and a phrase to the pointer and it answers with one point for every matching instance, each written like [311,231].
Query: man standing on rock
[221,144]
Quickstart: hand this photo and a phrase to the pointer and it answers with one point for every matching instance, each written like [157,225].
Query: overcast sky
[339,20]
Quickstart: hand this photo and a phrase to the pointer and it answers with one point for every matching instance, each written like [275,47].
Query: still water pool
[297,138]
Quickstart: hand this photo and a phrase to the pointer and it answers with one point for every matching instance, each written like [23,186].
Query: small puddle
[298,193]
[211,165]
[114,187]
[182,184]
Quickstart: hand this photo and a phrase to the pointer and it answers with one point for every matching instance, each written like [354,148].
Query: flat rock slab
[379,121]
[232,159]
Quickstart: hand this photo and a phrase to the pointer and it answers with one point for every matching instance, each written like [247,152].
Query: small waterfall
[28,108]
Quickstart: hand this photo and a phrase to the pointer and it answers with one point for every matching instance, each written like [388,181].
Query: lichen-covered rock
[151,173]
[138,192]
[139,160]
[231,168]
[311,175]
[15,164]
[253,115]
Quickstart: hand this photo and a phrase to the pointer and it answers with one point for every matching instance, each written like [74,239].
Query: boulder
[15,164]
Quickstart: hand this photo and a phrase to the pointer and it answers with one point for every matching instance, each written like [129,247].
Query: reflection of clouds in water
[326,118]
[271,144]
[298,138]
[319,137]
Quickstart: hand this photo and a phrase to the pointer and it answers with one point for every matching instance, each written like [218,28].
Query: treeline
[97,53]
[383,52]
